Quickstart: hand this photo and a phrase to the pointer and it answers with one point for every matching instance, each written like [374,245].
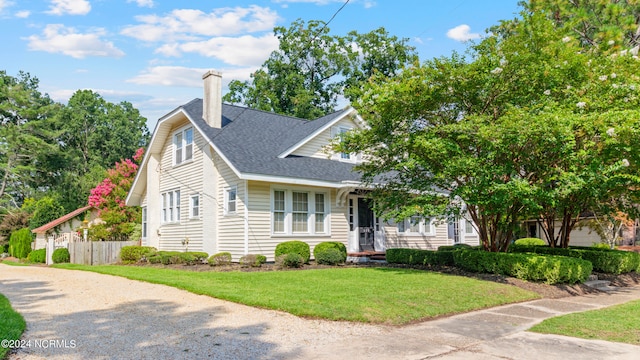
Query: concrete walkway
[108,317]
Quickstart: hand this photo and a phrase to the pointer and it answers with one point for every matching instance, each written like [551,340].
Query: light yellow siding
[261,241]
[230,231]
[188,178]
[426,241]
[317,147]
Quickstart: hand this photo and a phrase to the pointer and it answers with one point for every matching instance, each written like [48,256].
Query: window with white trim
[194,206]
[416,225]
[468,227]
[299,212]
[183,146]
[144,222]
[341,132]
[230,200]
[170,206]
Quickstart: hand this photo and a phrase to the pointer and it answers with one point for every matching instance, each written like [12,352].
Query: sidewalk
[500,333]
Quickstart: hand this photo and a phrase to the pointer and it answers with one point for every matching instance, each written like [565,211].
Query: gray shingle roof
[252,140]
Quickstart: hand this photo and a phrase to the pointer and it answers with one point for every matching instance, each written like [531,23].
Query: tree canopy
[312,69]
[529,126]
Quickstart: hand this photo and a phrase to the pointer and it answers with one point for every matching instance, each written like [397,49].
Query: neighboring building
[217,177]
[65,227]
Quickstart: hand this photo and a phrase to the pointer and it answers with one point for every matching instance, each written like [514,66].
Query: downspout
[246,217]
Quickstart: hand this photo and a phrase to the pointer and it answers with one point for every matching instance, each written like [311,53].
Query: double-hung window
[194,206]
[144,222]
[230,200]
[183,145]
[170,206]
[416,225]
[299,212]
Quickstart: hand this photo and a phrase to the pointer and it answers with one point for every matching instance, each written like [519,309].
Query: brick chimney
[212,101]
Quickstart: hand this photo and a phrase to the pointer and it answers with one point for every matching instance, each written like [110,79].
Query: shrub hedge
[419,257]
[219,259]
[20,243]
[61,256]
[290,260]
[330,245]
[530,242]
[455,247]
[135,253]
[176,257]
[294,247]
[38,256]
[603,260]
[330,256]
[532,267]
[252,260]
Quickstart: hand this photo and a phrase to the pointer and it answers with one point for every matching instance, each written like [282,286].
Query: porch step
[366,256]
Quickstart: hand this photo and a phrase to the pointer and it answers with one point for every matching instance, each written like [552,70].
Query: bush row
[603,260]
[526,266]
[38,256]
[419,257]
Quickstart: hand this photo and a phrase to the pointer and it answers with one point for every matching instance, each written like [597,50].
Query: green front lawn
[11,324]
[620,323]
[375,295]
[13,263]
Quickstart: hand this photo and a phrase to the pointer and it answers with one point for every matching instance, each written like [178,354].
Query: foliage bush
[20,243]
[419,257]
[176,257]
[603,260]
[290,260]
[135,253]
[253,260]
[5,248]
[330,245]
[454,247]
[219,259]
[531,267]
[38,256]
[530,242]
[330,256]
[294,247]
[601,246]
[61,256]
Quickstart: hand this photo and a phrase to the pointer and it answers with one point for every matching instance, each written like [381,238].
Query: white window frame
[338,131]
[228,201]
[311,212]
[468,224]
[144,223]
[183,146]
[170,201]
[425,226]
[194,209]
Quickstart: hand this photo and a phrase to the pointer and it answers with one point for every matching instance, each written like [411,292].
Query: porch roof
[50,225]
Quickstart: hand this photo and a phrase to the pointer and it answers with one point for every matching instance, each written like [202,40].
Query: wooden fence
[97,252]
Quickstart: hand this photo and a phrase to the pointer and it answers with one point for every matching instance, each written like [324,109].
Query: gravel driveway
[84,315]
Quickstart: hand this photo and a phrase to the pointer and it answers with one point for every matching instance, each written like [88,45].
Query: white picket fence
[60,241]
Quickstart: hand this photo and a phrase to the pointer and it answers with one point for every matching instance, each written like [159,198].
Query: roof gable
[61,220]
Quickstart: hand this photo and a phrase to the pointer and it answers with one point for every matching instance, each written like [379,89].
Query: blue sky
[152,53]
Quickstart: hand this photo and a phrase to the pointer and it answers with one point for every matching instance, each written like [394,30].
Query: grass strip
[12,324]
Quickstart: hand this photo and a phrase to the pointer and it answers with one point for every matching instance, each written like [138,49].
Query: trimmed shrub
[454,247]
[603,260]
[176,257]
[219,259]
[61,256]
[135,253]
[38,256]
[251,260]
[330,245]
[290,260]
[531,267]
[20,243]
[330,256]
[530,242]
[294,247]
[419,257]
[604,246]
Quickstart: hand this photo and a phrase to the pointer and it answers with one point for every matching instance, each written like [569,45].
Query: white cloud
[462,33]
[142,3]
[71,7]
[241,51]
[184,76]
[23,14]
[56,38]
[189,24]
[5,4]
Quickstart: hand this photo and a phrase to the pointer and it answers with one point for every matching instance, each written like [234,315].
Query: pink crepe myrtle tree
[109,198]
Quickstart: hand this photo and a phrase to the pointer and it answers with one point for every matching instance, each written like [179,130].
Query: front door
[366,230]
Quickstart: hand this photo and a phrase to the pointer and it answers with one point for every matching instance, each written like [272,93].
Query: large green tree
[519,129]
[312,68]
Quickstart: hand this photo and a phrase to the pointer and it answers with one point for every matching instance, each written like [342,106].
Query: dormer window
[183,145]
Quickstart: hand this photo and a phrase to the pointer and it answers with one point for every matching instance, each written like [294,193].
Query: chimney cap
[210,73]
